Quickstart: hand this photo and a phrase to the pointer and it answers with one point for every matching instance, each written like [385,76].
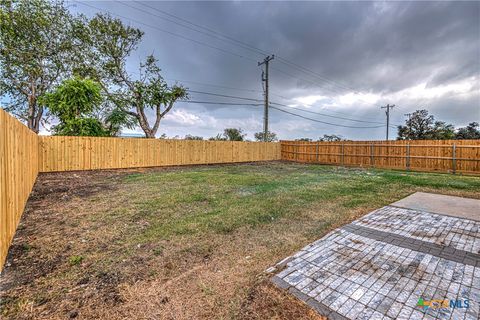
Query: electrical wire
[204,44]
[323,114]
[226,87]
[222,103]
[175,22]
[283,105]
[166,31]
[324,122]
[231,39]
[242,44]
[224,95]
[223,37]
[213,85]
[281,110]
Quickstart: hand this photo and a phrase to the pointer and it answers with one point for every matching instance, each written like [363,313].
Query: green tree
[141,98]
[234,134]
[271,136]
[37,44]
[74,102]
[422,126]
[330,137]
[442,131]
[472,131]
[303,139]
[191,137]
[218,137]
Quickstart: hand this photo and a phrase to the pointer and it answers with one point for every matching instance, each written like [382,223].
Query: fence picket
[461,156]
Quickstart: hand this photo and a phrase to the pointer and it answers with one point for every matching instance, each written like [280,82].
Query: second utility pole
[388,107]
[265,111]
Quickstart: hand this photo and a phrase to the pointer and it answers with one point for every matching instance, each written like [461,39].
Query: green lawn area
[191,242]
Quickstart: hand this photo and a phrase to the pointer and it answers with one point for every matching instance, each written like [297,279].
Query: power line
[222,103]
[168,32]
[326,115]
[258,100]
[225,38]
[242,44]
[312,73]
[175,22]
[245,45]
[284,105]
[224,95]
[319,121]
[281,110]
[224,87]
[318,85]
[214,85]
[198,42]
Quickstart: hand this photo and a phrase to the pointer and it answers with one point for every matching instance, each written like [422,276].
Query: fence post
[454,158]
[296,152]
[371,155]
[343,154]
[408,157]
[317,151]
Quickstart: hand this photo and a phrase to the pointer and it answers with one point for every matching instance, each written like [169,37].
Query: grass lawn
[185,243]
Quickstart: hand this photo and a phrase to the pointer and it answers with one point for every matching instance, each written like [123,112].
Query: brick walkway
[379,266]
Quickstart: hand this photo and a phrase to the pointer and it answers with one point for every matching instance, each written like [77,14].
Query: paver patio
[391,264]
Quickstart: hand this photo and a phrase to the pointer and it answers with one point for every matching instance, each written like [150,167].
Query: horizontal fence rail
[420,155]
[58,153]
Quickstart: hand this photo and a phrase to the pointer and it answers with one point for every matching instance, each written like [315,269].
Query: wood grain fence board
[19,158]
[424,155]
[3,189]
[60,153]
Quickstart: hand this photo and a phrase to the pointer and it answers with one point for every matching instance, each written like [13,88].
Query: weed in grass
[158,251]
[75,260]
[26,247]
[207,290]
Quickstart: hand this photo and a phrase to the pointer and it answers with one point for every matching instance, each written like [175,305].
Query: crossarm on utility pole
[387,112]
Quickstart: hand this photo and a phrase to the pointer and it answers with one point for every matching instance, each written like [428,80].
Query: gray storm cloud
[363,54]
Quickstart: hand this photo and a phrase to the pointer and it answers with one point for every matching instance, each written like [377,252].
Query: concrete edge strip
[431,212]
[319,307]
[444,252]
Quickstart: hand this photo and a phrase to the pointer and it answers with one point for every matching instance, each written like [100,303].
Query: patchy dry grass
[185,243]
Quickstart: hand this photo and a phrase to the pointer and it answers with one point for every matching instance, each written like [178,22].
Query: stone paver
[461,234]
[379,267]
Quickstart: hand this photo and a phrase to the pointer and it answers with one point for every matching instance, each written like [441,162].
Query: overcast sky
[363,55]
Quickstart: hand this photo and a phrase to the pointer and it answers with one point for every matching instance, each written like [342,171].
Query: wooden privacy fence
[23,155]
[420,155]
[18,171]
[58,153]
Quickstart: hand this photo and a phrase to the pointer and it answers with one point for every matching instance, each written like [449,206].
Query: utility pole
[265,89]
[387,112]
[409,115]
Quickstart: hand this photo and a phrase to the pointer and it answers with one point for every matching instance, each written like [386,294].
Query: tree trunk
[143,122]
[38,119]
[34,113]
[149,134]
